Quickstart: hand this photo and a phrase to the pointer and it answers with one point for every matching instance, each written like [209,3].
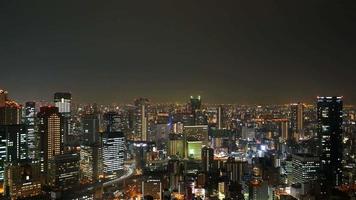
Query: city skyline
[231,52]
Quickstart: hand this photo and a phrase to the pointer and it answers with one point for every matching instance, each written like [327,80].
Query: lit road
[129,170]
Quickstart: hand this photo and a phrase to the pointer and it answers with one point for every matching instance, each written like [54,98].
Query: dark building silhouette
[329,112]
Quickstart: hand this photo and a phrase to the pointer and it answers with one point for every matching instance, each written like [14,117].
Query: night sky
[238,51]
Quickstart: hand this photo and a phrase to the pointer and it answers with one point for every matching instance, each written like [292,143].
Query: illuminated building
[305,168]
[235,169]
[50,135]
[13,147]
[193,150]
[30,115]
[194,104]
[329,112]
[207,155]
[284,128]
[90,163]
[90,125]
[152,187]
[297,120]
[23,180]
[16,142]
[64,172]
[10,111]
[248,133]
[197,133]
[176,148]
[112,121]
[140,126]
[3,97]
[62,101]
[113,151]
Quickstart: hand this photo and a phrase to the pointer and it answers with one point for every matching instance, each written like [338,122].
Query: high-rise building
[3,97]
[62,101]
[13,147]
[49,128]
[23,180]
[10,111]
[194,106]
[30,118]
[305,168]
[207,155]
[235,169]
[91,163]
[113,152]
[329,113]
[91,129]
[197,133]
[140,127]
[284,128]
[64,172]
[193,150]
[297,120]
[16,142]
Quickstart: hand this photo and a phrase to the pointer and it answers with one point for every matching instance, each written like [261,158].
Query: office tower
[297,120]
[193,150]
[62,101]
[13,147]
[10,111]
[64,172]
[16,142]
[220,115]
[305,168]
[153,188]
[196,133]
[329,113]
[113,152]
[49,128]
[207,155]
[176,146]
[23,180]
[248,133]
[90,123]
[3,97]
[194,106]
[235,169]
[112,121]
[91,163]
[284,128]
[140,128]
[30,117]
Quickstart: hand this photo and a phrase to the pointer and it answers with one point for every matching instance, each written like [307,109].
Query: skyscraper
[10,111]
[305,168]
[16,142]
[50,135]
[207,155]
[91,128]
[30,115]
[141,118]
[62,101]
[194,107]
[113,152]
[329,113]
[297,120]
